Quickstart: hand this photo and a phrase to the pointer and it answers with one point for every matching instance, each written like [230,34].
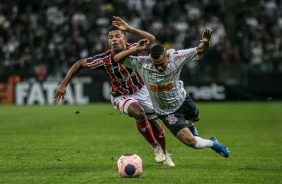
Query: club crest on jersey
[171,119]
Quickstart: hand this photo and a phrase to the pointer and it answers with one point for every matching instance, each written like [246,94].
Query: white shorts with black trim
[142,97]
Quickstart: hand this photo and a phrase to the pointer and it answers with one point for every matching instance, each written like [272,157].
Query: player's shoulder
[181,52]
[171,51]
[100,56]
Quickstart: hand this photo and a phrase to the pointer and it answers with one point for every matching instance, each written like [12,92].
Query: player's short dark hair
[113,28]
[156,51]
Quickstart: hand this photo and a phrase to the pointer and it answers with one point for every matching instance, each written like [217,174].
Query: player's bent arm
[203,47]
[121,57]
[205,42]
[142,45]
[76,67]
[142,34]
[122,25]
[61,90]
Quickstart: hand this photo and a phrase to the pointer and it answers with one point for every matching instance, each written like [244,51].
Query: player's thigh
[123,103]
[189,109]
[144,100]
[174,122]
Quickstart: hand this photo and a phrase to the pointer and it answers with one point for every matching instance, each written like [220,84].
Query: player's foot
[222,150]
[193,130]
[168,161]
[159,154]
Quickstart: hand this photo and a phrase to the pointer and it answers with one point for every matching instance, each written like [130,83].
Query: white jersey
[166,91]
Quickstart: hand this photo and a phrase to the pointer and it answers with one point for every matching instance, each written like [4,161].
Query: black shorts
[177,120]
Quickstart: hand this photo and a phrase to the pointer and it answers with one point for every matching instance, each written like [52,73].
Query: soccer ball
[130,166]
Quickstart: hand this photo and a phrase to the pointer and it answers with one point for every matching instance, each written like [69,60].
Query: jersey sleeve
[92,63]
[181,57]
[135,62]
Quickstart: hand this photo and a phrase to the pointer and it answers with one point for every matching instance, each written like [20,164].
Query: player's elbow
[81,63]
[116,58]
[152,39]
[201,50]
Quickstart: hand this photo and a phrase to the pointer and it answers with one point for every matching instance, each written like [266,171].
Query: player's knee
[189,141]
[186,137]
[196,119]
[136,111]
[155,124]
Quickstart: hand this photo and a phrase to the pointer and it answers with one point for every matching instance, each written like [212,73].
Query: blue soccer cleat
[193,130]
[222,150]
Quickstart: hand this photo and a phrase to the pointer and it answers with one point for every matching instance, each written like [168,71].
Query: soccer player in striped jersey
[129,94]
[160,72]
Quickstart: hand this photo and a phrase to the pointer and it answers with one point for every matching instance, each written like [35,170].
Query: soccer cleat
[168,161]
[222,150]
[193,130]
[159,154]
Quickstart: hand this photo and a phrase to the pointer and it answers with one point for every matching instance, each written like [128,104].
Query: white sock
[202,143]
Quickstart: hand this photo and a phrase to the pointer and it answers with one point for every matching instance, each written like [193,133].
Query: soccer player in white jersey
[129,94]
[160,72]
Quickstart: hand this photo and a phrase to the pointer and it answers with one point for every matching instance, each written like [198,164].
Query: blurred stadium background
[41,40]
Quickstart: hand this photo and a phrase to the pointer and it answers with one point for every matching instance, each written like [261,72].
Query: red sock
[144,127]
[160,137]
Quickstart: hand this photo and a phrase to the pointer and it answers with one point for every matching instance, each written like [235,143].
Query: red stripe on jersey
[140,80]
[113,78]
[125,73]
[123,80]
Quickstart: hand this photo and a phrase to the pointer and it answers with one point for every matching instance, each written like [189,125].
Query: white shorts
[142,97]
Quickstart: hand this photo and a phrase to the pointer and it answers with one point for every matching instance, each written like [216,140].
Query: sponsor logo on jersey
[162,87]
[95,63]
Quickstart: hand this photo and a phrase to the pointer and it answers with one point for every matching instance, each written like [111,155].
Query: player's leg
[177,125]
[159,134]
[143,98]
[191,114]
[192,127]
[145,128]
[130,106]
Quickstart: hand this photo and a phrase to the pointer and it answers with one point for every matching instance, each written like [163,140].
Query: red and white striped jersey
[124,81]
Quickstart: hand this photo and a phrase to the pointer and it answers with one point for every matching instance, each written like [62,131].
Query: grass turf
[81,144]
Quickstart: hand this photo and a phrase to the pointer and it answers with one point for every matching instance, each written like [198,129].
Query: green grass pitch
[81,144]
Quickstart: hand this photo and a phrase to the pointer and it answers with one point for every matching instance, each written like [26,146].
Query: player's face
[117,41]
[161,63]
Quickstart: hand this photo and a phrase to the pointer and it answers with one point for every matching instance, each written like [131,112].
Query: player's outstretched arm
[205,41]
[122,25]
[142,45]
[61,90]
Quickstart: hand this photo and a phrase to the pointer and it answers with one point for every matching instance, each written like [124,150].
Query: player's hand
[206,37]
[60,93]
[121,24]
[143,44]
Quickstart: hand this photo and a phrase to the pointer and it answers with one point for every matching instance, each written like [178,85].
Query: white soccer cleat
[159,154]
[168,162]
